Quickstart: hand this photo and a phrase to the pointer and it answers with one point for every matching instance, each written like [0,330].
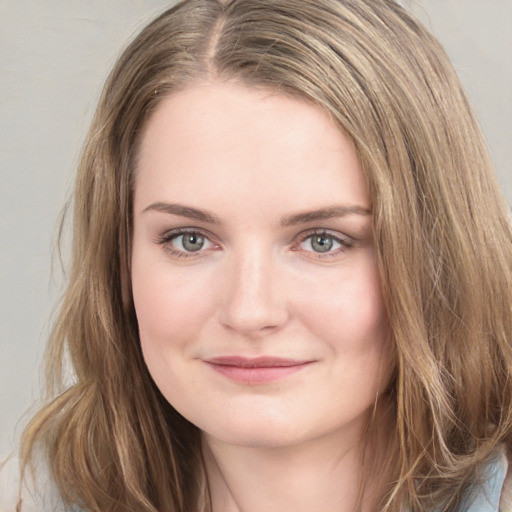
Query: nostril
[250,314]
[252,299]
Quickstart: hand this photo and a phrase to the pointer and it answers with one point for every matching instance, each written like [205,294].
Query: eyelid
[345,241]
[169,234]
[166,238]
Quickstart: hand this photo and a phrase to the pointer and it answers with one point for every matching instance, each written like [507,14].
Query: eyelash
[166,238]
[345,242]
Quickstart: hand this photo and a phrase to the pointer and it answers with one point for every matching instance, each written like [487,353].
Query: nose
[253,302]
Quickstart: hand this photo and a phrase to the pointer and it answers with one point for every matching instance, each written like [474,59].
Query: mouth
[258,370]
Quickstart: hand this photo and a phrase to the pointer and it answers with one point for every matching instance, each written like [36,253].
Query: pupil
[322,243]
[193,242]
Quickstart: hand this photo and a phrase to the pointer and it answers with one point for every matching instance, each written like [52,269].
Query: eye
[321,243]
[324,244]
[184,243]
[190,242]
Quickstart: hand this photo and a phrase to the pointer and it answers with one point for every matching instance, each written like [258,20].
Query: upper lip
[255,362]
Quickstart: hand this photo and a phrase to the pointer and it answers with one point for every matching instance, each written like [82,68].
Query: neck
[322,474]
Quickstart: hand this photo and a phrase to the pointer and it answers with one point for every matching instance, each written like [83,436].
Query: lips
[258,370]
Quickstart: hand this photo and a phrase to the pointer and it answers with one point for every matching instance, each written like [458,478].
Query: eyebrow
[323,213]
[183,211]
[287,221]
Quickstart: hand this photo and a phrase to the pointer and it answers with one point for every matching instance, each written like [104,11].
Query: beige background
[54,57]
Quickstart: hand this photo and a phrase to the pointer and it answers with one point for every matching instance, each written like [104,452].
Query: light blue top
[488,497]
[44,498]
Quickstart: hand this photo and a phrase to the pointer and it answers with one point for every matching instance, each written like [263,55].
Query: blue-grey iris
[193,242]
[321,243]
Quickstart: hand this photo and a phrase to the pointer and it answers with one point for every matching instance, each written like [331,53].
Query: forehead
[234,141]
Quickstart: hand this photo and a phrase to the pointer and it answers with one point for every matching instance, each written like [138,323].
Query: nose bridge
[253,301]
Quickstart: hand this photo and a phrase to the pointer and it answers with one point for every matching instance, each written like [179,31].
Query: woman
[292,274]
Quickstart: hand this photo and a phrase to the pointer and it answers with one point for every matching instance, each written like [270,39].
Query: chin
[257,431]
[252,438]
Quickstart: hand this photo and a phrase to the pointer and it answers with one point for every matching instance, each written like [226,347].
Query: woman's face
[254,272]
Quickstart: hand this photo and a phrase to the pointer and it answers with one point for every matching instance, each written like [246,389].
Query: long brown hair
[441,228]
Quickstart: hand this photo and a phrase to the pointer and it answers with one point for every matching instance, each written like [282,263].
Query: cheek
[348,309]
[171,310]
[348,314]
[170,307]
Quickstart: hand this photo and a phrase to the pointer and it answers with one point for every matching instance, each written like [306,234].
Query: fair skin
[277,261]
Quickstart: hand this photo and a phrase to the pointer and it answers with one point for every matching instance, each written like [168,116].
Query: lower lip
[258,375]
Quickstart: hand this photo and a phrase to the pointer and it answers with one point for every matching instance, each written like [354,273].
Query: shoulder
[506,493]
[38,493]
[492,492]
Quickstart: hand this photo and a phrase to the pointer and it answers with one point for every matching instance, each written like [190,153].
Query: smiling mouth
[258,370]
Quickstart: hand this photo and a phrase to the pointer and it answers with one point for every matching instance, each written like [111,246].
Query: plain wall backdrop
[54,58]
